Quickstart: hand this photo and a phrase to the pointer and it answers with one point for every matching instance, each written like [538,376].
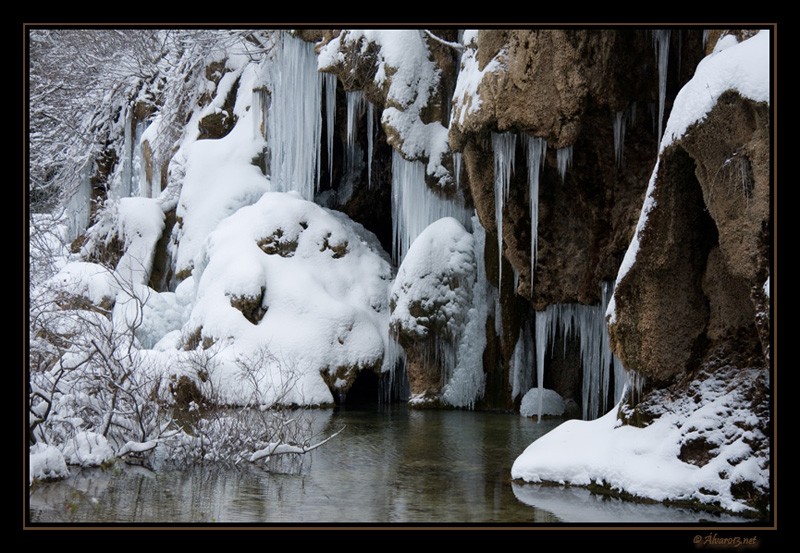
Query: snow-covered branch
[277,448]
[454,45]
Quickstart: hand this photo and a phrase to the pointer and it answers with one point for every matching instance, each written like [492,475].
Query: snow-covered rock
[432,292]
[88,280]
[87,449]
[701,447]
[46,463]
[407,75]
[308,285]
[552,403]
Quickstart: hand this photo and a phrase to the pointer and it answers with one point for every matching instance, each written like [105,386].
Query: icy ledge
[646,462]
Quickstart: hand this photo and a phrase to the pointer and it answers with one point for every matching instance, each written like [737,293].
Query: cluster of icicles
[294,129]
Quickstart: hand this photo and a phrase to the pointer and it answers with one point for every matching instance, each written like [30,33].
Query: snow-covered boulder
[86,283]
[295,299]
[431,299]
[87,449]
[432,292]
[552,403]
[45,462]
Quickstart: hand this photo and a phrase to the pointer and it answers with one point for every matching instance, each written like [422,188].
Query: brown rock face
[704,254]
[566,87]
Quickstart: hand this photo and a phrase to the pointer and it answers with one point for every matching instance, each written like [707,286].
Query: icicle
[504,148]
[705,37]
[330,117]
[651,107]
[542,327]
[261,102]
[522,362]
[139,185]
[370,138]
[79,202]
[295,119]
[661,45]
[355,107]
[619,136]
[564,160]
[588,324]
[467,380]
[127,159]
[415,206]
[457,159]
[536,148]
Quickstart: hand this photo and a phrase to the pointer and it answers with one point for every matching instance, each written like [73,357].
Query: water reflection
[570,504]
[389,465]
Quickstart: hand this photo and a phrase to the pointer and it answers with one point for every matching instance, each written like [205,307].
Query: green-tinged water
[388,466]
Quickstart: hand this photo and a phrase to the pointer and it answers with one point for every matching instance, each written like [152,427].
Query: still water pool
[390,465]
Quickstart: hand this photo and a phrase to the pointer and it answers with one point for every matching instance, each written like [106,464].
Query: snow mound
[552,403]
[141,222]
[433,289]
[46,463]
[698,449]
[286,288]
[87,449]
[89,280]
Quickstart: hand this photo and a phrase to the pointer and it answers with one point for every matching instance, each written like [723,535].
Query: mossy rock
[277,244]
[250,306]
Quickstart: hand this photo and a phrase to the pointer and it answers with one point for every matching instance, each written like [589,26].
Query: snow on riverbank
[698,450]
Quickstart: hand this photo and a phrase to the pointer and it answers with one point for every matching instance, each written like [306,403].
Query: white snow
[644,461]
[441,281]
[141,222]
[137,447]
[87,449]
[725,41]
[552,404]
[220,178]
[90,280]
[324,310]
[766,287]
[46,462]
[466,99]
